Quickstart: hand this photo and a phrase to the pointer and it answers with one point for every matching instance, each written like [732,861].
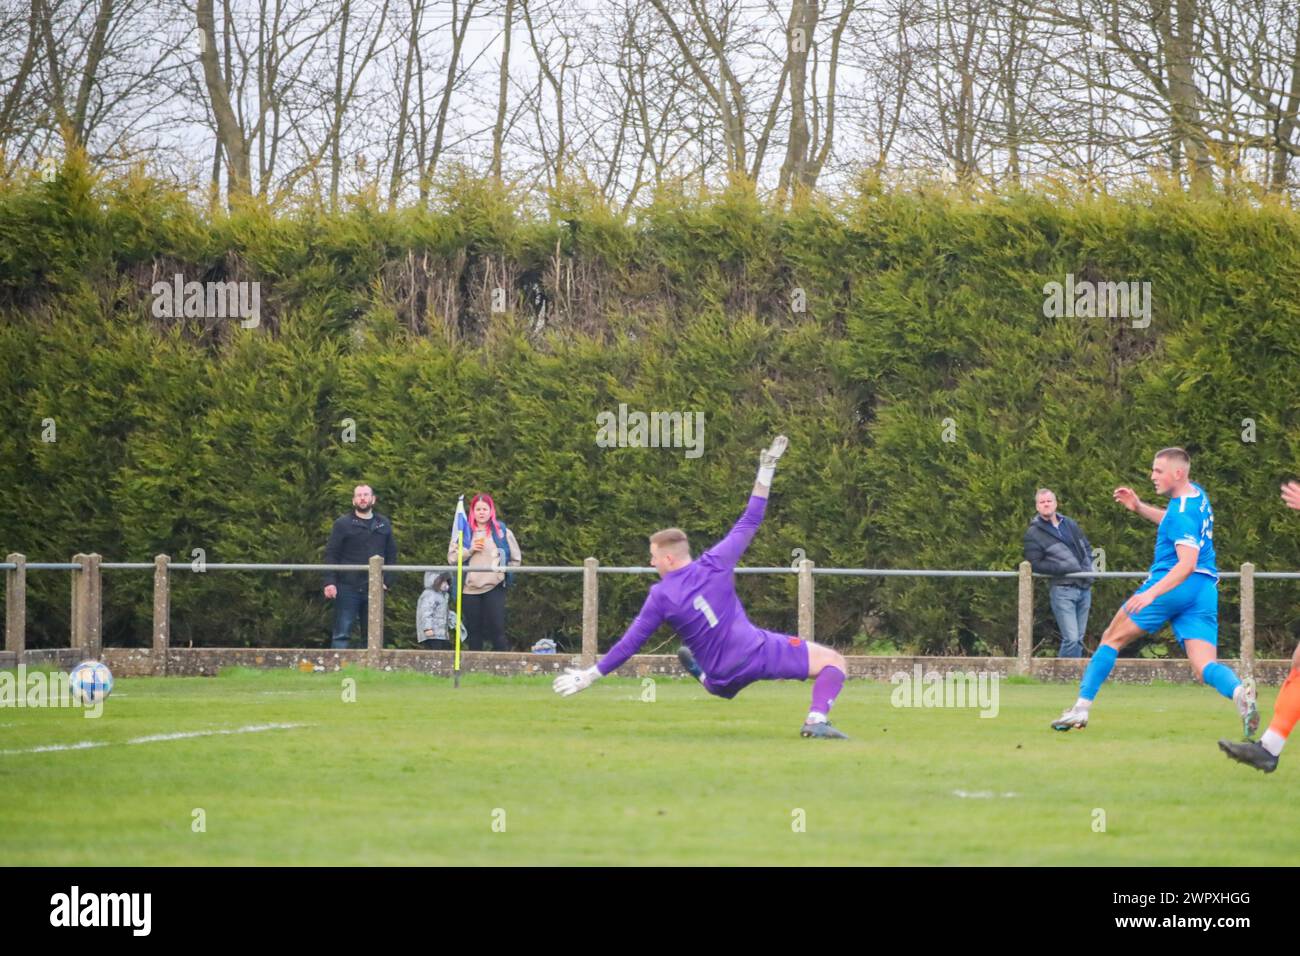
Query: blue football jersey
[1188,519]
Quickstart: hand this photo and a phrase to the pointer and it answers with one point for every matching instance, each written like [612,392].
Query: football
[92,681]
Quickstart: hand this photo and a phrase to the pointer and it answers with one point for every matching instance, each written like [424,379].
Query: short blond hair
[672,540]
[1177,455]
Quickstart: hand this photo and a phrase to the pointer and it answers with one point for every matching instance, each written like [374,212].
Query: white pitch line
[152,738]
[979,794]
[84,745]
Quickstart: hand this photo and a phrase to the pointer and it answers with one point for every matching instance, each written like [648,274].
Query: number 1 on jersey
[702,606]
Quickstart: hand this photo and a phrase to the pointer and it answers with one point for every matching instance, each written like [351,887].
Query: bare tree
[78,77]
[304,99]
[428,153]
[808,146]
[352,63]
[234,143]
[728,93]
[264,88]
[1160,47]
[503,89]
[19,98]
[1253,55]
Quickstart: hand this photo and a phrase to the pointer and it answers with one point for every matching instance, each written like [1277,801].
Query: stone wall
[65,657]
[206,662]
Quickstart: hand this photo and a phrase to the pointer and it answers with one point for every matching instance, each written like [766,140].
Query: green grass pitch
[501,771]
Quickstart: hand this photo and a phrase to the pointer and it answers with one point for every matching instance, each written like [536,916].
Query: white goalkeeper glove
[574,680]
[768,458]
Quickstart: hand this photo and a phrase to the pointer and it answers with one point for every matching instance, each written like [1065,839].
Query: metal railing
[87,595]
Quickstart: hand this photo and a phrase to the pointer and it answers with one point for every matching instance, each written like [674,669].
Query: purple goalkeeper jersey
[699,602]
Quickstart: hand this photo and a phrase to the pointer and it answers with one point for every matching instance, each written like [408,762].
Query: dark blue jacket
[352,542]
[1063,549]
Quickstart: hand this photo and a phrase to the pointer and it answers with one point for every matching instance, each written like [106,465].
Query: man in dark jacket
[355,539]
[1056,545]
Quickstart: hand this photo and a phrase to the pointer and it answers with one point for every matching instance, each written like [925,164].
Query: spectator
[355,539]
[483,604]
[434,618]
[1055,545]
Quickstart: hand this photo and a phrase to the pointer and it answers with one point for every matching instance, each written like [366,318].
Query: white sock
[1273,742]
[815,718]
[1082,705]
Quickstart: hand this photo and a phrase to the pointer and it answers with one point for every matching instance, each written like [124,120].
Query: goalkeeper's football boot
[1245,702]
[822,728]
[1251,753]
[688,661]
[1072,719]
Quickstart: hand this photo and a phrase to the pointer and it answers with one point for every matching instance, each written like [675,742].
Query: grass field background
[417,772]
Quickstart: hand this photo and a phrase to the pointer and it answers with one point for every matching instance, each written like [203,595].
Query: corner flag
[460,535]
[460,523]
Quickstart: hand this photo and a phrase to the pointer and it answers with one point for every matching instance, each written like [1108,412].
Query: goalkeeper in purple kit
[721,648]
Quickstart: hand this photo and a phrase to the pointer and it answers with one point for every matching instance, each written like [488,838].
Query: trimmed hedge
[925,394]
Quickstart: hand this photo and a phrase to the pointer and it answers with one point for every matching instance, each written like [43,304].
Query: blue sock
[1221,678]
[1099,667]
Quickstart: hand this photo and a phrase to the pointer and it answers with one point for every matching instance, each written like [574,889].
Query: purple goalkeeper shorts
[779,657]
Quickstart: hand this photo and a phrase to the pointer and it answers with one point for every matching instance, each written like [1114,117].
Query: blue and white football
[92,681]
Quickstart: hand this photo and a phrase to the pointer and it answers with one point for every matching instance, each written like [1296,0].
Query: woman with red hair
[484,594]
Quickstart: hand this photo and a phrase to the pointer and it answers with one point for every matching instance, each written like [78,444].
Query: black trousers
[485,619]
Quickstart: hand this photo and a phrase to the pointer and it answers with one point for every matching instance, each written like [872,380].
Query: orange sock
[1287,709]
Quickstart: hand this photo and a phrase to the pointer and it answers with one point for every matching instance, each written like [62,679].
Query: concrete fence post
[87,606]
[162,604]
[590,611]
[16,605]
[95,615]
[375,606]
[1248,619]
[807,606]
[75,622]
[1025,620]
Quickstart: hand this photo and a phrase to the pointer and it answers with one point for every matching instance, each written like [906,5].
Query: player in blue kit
[722,649]
[1181,589]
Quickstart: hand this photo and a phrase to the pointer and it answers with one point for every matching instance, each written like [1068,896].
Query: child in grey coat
[434,617]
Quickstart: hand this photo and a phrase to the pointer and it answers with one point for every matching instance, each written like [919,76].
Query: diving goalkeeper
[721,648]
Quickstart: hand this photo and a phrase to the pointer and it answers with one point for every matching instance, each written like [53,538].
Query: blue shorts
[779,657]
[1192,609]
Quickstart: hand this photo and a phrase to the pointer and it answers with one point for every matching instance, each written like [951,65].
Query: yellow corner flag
[460,536]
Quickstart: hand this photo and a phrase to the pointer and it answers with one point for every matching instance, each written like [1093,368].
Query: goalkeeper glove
[574,680]
[768,458]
